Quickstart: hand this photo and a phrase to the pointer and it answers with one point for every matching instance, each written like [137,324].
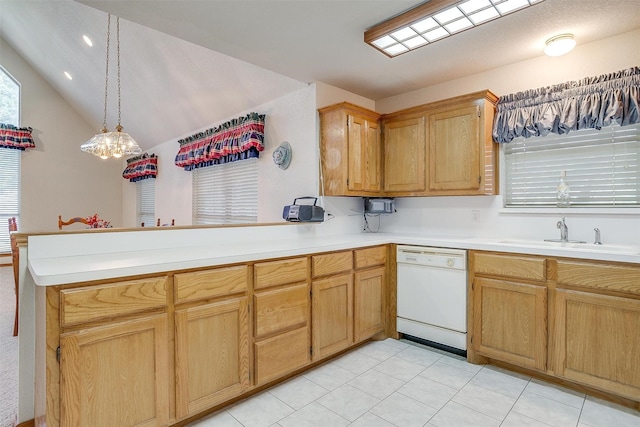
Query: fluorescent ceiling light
[559,45]
[435,20]
[87,40]
[67,75]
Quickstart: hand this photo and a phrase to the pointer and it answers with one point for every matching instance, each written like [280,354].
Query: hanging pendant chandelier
[117,143]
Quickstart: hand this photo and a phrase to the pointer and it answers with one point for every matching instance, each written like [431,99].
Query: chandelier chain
[118,56]
[106,78]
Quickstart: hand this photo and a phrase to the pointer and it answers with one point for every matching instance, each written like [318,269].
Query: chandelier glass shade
[114,144]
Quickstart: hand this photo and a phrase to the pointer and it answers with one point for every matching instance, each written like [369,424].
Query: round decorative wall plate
[282,155]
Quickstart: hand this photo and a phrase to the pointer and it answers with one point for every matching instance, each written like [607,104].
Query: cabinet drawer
[324,265]
[519,267]
[280,309]
[371,256]
[280,272]
[210,283]
[282,354]
[604,277]
[111,300]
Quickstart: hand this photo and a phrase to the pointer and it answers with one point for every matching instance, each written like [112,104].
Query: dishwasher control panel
[433,257]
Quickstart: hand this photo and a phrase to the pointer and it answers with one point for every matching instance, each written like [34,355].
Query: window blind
[146,204]
[226,193]
[9,194]
[602,167]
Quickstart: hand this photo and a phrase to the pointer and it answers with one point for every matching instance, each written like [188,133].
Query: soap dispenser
[563,191]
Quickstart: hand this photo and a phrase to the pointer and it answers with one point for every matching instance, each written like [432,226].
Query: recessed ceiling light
[559,45]
[87,40]
[67,75]
[435,20]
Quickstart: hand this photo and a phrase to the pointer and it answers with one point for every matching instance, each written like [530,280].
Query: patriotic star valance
[238,139]
[15,137]
[141,167]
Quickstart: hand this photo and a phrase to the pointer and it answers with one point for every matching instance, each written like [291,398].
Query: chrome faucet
[597,241]
[564,230]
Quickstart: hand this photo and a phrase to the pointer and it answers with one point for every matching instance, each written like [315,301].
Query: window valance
[238,139]
[141,167]
[590,103]
[15,137]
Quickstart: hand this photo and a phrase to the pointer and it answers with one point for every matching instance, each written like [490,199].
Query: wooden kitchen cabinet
[116,375]
[405,147]
[212,356]
[350,150]
[113,354]
[510,309]
[282,342]
[441,148]
[596,337]
[369,289]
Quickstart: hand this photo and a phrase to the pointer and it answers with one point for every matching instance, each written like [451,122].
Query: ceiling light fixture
[67,75]
[435,20]
[559,45]
[87,40]
[111,144]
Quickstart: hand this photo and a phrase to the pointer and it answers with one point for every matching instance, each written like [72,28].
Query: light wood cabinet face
[510,322]
[596,341]
[350,150]
[212,354]
[116,375]
[332,321]
[282,354]
[216,282]
[91,303]
[454,160]
[333,263]
[281,309]
[368,298]
[369,257]
[404,155]
[280,272]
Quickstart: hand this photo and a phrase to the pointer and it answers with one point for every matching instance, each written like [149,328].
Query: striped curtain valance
[237,139]
[15,137]
[141,167]
[589,103]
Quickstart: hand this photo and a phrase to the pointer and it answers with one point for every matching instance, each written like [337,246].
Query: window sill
[569,211]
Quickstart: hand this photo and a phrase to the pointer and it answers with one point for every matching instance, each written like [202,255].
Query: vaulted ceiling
[187,64]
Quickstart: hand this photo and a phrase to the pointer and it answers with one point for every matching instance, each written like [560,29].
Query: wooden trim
[28,423]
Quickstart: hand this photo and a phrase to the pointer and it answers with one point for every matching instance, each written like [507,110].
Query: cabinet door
[510,322]
[404,155]
[454,150]
[596,341]
[212,354]
[368,296]
[364,154]
[116,375]
[332,315]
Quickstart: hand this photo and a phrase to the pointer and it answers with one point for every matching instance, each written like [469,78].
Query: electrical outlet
[475,215]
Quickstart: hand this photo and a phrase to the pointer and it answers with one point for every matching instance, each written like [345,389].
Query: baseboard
[30,423]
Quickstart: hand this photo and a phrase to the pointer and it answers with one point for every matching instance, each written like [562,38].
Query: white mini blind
[602,167]
[9,194]
[226,193]
[146,204]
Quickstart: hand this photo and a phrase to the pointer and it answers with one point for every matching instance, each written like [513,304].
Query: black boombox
[303,213]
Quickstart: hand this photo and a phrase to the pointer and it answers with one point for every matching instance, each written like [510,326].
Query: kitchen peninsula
[157,307]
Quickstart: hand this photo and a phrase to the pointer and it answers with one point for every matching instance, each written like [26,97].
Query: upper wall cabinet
[350,151]
[443,148]
[454,136]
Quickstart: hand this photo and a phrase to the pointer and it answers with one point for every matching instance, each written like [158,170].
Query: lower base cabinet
[332,321]
[597,341]
[115,375]
[368,313]
[212,354]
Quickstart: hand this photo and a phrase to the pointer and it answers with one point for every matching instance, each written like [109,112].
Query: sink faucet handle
[597,240]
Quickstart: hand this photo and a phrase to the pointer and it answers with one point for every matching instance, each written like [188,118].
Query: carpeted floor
[8,351]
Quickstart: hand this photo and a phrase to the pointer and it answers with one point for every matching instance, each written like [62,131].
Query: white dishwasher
[432,295]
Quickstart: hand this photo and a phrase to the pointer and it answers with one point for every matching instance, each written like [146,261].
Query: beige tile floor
[399,383]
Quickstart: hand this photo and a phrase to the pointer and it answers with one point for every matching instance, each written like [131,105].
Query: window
[226,193]
[146,203]
[9,159]
[602,168]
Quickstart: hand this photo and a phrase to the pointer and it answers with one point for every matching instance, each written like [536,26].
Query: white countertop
[53,268]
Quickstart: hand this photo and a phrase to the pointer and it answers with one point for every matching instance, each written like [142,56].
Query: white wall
[56,177]
[483,216]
